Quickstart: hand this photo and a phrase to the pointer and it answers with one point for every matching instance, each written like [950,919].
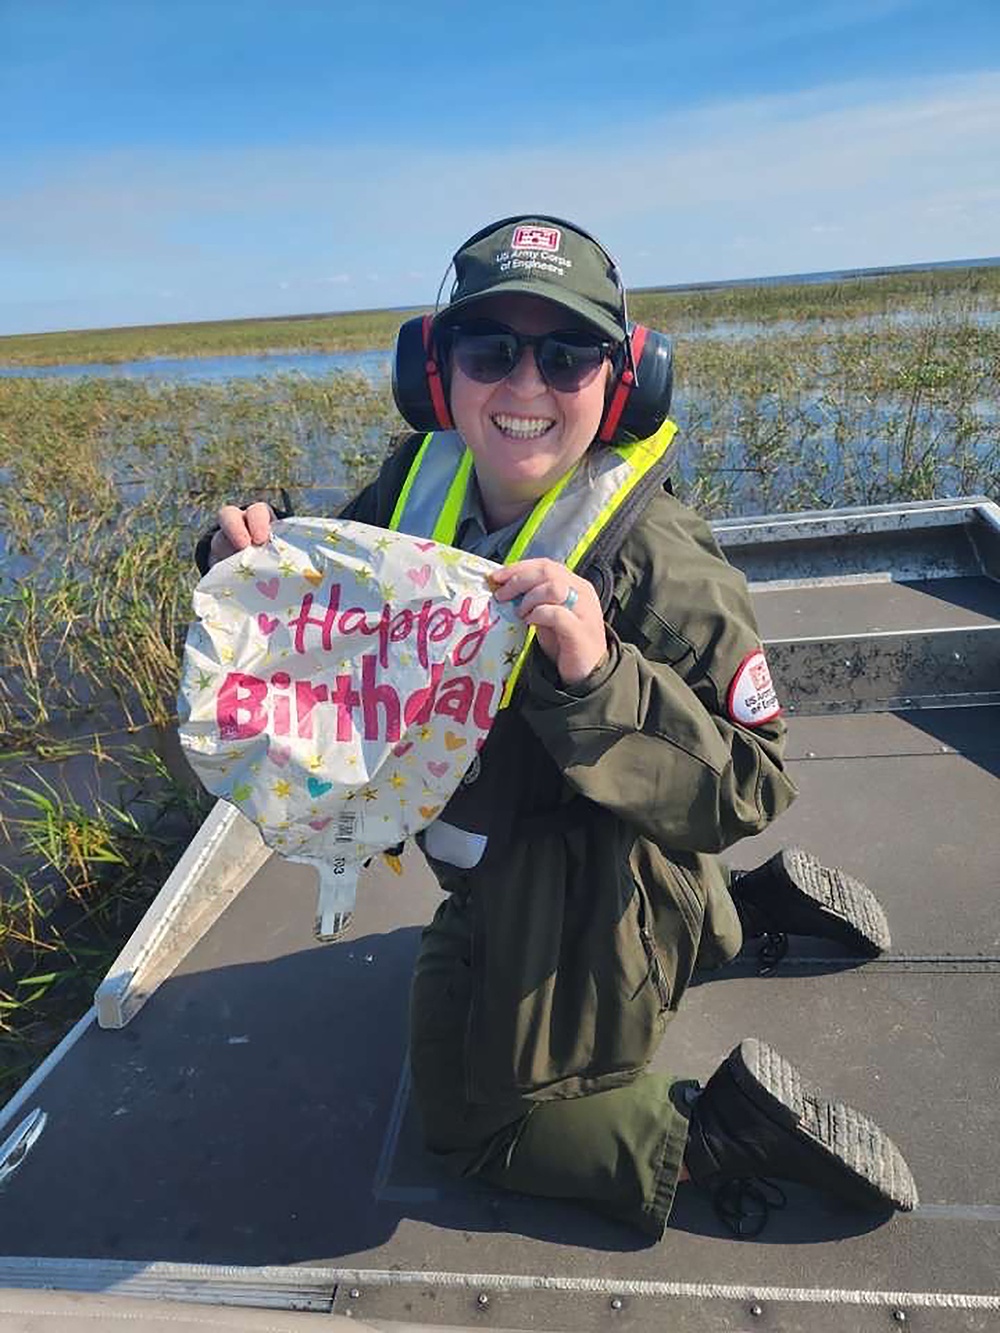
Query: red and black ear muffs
[638,402]
[636,405]
[419,377]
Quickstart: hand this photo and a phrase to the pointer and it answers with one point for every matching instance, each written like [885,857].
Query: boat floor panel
[811,611]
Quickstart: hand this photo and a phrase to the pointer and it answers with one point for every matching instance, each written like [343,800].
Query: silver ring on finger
[571,599]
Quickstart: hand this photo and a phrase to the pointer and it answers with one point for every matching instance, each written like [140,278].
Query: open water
[216,369]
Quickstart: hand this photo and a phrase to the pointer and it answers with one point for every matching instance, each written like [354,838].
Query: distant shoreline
[956,285]
[829,275]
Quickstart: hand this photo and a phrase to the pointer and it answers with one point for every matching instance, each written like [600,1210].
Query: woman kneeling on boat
[643,736]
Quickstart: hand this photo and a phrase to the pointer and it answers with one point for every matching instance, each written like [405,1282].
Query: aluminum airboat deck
[246,1137]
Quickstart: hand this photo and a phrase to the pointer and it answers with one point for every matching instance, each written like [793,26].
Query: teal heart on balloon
[317,788]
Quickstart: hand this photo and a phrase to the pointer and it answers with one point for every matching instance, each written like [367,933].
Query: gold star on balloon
[449,556]
[382,544]
[333,539]
[370,793]
[425,733]
[282,788]
[244,571]
[397,780]
[315,763]
[286,567]
[511,656]
[204,680]
[227,655]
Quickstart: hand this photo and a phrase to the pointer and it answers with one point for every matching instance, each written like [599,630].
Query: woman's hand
[238,528]
[573,634]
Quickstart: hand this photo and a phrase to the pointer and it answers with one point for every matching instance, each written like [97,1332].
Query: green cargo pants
[619,1151]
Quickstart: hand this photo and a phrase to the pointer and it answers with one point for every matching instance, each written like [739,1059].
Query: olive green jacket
[603,805]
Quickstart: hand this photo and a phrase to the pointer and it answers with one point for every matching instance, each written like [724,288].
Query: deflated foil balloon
[337,684]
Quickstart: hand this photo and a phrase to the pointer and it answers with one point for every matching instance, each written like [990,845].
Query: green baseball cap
[541,256]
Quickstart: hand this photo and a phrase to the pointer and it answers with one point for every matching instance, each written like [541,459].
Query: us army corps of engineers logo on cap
[534,249]
[536,238]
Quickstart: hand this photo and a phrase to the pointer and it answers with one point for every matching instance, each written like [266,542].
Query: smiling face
[523,435]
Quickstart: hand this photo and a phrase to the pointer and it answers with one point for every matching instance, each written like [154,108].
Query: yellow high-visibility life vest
[563,525]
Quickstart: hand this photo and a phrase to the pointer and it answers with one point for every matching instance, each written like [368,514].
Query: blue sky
[167,160]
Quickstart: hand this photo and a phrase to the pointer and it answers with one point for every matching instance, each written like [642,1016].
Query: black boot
[793,894]
[757,1118]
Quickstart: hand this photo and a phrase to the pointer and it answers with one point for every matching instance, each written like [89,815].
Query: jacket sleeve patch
[751,699]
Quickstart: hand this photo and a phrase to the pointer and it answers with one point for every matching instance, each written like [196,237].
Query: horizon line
[719,284]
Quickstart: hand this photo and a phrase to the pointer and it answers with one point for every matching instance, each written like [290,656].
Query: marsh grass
[937,292]
[350,332]
[96,865]
[105,485]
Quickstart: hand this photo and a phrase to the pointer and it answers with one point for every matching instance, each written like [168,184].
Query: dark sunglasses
[567,360]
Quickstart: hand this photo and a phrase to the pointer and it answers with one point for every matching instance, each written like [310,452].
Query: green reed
[92,869]
[350,332]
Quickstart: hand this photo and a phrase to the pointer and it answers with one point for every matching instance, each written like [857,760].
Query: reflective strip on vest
[562,526]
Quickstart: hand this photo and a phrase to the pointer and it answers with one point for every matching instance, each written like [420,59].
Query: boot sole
[848,911]
[880,1176]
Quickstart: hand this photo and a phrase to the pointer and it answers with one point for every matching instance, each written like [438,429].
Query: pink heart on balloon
[268,588]
[279,754]
[318,824]
[439,770]
[401,749]
[425,546]
[267,624]
[419,576]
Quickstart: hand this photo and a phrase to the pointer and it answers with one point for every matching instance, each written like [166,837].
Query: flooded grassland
[885,393]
